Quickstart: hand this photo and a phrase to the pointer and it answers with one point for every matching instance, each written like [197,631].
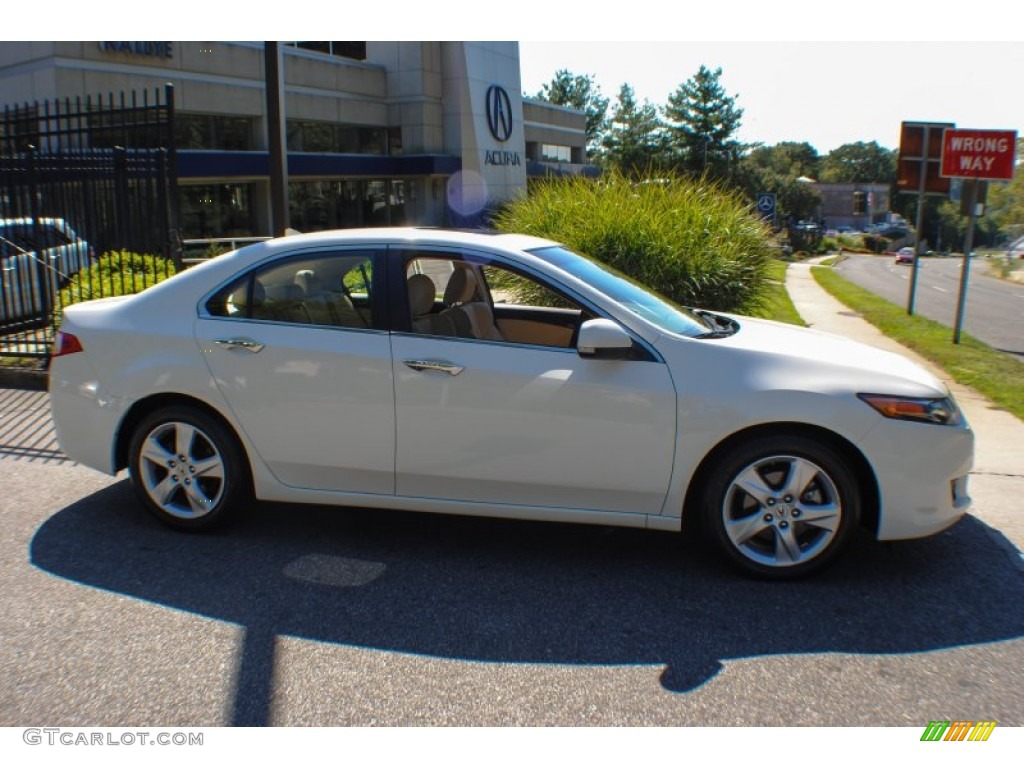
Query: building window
[349,50]
[308,136]
[195,131]
[319,205]
[128,128]
[18,129]
[555,153]
[216,210]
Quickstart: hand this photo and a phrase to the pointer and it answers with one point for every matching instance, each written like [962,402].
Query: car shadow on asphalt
[521,592]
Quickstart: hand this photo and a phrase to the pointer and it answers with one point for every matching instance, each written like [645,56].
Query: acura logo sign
[499,113]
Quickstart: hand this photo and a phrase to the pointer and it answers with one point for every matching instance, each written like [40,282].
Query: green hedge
[116,273]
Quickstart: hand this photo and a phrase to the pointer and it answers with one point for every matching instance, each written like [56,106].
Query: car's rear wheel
[187,468]
[782,507]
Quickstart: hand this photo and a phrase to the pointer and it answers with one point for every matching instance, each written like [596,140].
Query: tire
[187,468]
[782,507]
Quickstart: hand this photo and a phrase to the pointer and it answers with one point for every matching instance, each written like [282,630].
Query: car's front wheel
[782,507]
[187,468]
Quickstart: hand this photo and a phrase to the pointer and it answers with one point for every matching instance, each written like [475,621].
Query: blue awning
[218,164]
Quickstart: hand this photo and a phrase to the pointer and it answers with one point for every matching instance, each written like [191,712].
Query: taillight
[65,344]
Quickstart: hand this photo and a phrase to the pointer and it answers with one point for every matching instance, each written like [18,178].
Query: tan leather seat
[326,307]
[460,296]
[421,305]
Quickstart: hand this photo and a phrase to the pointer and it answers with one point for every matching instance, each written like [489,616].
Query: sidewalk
[997,481]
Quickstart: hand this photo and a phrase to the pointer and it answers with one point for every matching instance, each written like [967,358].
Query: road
[994,310]
[315,616]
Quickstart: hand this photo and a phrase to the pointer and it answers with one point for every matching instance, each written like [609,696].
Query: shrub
[806,240]
[116,273]
[876,243]
[691,241]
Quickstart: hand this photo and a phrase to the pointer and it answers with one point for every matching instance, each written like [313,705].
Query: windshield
[656,309]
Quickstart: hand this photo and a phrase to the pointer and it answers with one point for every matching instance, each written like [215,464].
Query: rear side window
[332,289]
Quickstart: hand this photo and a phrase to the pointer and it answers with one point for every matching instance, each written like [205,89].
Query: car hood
[827,362]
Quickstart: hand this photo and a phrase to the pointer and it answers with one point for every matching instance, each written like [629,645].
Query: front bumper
[922,472]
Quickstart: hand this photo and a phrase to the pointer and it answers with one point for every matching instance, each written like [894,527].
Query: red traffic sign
[971,154]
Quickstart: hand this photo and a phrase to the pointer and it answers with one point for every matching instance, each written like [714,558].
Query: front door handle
[435,365]
[246,344]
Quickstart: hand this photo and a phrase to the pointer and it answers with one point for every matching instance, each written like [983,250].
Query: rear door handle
[246,344]
[435,365]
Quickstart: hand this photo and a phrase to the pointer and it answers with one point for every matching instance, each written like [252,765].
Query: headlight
[932,410]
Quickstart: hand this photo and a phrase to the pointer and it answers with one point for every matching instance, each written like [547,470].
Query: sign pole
[912,291]
[965,271]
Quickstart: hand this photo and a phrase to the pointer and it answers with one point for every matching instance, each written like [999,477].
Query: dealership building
[378,133]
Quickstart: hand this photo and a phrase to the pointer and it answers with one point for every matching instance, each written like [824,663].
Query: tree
[1006,201]
[702,122]
[635,140]
[860,162]
[794,199]
[788,158]
[582,93]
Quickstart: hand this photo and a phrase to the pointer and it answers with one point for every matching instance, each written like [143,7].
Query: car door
[525,422]
[299,350]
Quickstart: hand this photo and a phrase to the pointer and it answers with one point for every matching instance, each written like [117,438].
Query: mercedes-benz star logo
[499,113]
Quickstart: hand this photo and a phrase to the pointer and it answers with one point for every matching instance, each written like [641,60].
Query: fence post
[121,207]
[42,282]
[170,181]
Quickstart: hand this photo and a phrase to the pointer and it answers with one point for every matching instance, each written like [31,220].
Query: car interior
[459,298]
[324,291]
[447,297]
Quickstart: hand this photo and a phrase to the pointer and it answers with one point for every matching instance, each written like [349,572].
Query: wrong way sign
[977,154]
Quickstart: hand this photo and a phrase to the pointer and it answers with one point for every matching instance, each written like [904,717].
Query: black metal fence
[88,208]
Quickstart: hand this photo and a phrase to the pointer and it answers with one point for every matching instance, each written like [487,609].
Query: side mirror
[604,340]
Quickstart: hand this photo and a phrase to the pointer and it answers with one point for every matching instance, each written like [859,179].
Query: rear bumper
[85,418]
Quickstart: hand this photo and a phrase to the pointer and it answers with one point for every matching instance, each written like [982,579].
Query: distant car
[905,255]
[1016,251]
[501,375]
[34,271]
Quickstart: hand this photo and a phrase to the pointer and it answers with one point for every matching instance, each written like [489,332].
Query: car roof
[413,236]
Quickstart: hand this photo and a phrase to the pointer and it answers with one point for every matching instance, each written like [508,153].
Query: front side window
[477,298]
[324,290]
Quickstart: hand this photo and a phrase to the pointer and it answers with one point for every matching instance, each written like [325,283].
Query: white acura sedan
[501,375]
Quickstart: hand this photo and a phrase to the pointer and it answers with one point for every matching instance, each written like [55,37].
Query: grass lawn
[776,302]
[996,375]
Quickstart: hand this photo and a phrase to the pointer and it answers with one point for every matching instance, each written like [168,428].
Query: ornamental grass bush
[690,240]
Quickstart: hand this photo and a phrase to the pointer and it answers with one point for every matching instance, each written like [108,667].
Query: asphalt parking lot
[314,616]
